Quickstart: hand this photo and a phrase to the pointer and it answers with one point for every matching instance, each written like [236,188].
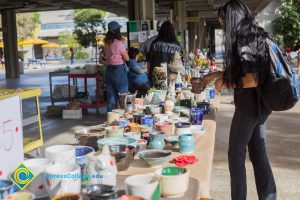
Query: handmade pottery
[141,145]
[198,85]
[186,143]
[61,154]
[139,101]
[157,140]
[102,166]
[161,117]
[165,127]
[196,115]
[123,155]
[112,117]
[145,129]
[154,157]
[182,128]
[134,127]
[147,120]
[116,141]
[174,181]
[123,122]
[114,131]
[205,107]
[88,136]
[173,140]
[56,186]
[68,196]
[145,186]
[169,105]
[81,156]
[156,110]
[120,112]
[38,167]
[134,135]
[99,192]
[126,99]
[20,196]
[137,117]
[6,188]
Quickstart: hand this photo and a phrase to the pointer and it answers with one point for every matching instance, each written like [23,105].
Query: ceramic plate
[197,130]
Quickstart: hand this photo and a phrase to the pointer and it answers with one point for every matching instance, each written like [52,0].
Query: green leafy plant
[81,55]
[287,26]
[68,39]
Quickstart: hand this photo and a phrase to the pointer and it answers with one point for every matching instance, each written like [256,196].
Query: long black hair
[167,33]
[241,29]
[111,36]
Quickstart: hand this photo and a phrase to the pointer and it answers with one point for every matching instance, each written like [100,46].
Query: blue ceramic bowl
[154,157]
[182,125]
[81,152]
[6,188]
[116,141]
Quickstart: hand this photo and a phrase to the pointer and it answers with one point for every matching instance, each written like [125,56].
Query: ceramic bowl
[119,111]
[145,129]
[81,158]
[6,187]
[154,157]
[20,196]
[114,131]
[116,141]
[68,197]
[173,140]
[99,191]
[174,181]
[123,155]
[141,145]
[134,135]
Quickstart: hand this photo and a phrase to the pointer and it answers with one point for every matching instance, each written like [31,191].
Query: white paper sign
[143,36]
[11,135]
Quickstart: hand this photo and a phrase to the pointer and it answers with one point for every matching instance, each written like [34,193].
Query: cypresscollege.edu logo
[22,176]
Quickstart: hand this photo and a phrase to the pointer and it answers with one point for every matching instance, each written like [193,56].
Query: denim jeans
[248,128]
[116,82]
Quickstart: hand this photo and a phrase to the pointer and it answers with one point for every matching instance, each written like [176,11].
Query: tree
[88,24]
[68,39]
[287,26]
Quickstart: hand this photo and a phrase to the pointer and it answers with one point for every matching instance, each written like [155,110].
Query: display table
[29,143]
[201,170]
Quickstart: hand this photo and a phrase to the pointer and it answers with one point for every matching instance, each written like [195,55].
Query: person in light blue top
[137,77]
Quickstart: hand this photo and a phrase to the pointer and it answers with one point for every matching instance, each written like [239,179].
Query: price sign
[11,135]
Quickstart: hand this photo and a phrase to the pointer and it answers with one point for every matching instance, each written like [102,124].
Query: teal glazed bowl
[111,141]
[154,157]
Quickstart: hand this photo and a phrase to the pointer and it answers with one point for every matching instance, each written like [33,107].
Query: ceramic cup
[134,135]
[20,196]
[114,131]
[122,122]
[63,179]
[112,117]
[60,154]
[145,186]
[186,143]
[182,128]
[6,187]
[174,181]
[161,117]
[134,127]
[38,167]
[147,120]
[156,110]
[81,156]
[145,129]
[119,111]
[139,101]
[165,127]
[137,117]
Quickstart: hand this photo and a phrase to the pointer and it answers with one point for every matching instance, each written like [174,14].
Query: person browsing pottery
[246,63]
[114,56]
[163,48]
[137,76]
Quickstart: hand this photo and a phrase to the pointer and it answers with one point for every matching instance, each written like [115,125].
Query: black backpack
[279,90]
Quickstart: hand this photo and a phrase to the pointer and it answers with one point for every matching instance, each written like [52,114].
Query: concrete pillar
[10,43]
[148,9]
[201,34]
[180,15]
[192,30]
[141,10]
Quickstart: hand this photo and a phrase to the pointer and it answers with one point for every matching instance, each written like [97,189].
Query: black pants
[248,128]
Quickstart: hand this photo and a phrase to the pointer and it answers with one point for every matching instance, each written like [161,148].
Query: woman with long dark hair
[114,56]
[163,48]
[246,64]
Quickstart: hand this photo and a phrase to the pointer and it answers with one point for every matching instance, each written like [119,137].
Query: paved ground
[283,140]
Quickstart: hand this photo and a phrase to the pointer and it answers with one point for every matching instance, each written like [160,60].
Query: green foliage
[88,24]
[287,26]
[81,55]
[66,38]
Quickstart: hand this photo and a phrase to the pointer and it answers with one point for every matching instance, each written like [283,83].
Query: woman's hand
[219,84]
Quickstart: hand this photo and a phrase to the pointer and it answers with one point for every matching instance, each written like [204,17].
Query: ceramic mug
[112,117]
[186,143]
[145,186]
[134,127]
[122,122]
[38,167]
[63,179]
[196,115]
[161,117]
[134,135]
[137,117]
[165,127]
[6,187]
[20,196]
[114,131]
[147,120]
[81,156]
[60,154]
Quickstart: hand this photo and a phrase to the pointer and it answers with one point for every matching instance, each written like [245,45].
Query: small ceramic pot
[182,128]
[81,158]
[119,111]
[169,105]
[6,188]
[139,101]
[145,186]
[141,145]
[61,154]
[157,140]
[123,155]
[196,116]
[112,117]
[137,117]
[161,117]
[156,110]
[174,181]
[99,192]
[165,127]
[134,127]
[146,129]
[114,131]
[205,107]
[147,120]
[173,140]
[89,136]
[20,195]
[186,103]
[186,143]
[68,196]
[134,135]
[122,122]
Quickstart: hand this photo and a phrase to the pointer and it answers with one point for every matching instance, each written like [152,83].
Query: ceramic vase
[157,140]
[186,143]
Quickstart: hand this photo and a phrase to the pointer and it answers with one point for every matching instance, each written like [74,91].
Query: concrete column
[180,15]
[201,34]
[193,30]
[10,44]
[148,7]
[141,9]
